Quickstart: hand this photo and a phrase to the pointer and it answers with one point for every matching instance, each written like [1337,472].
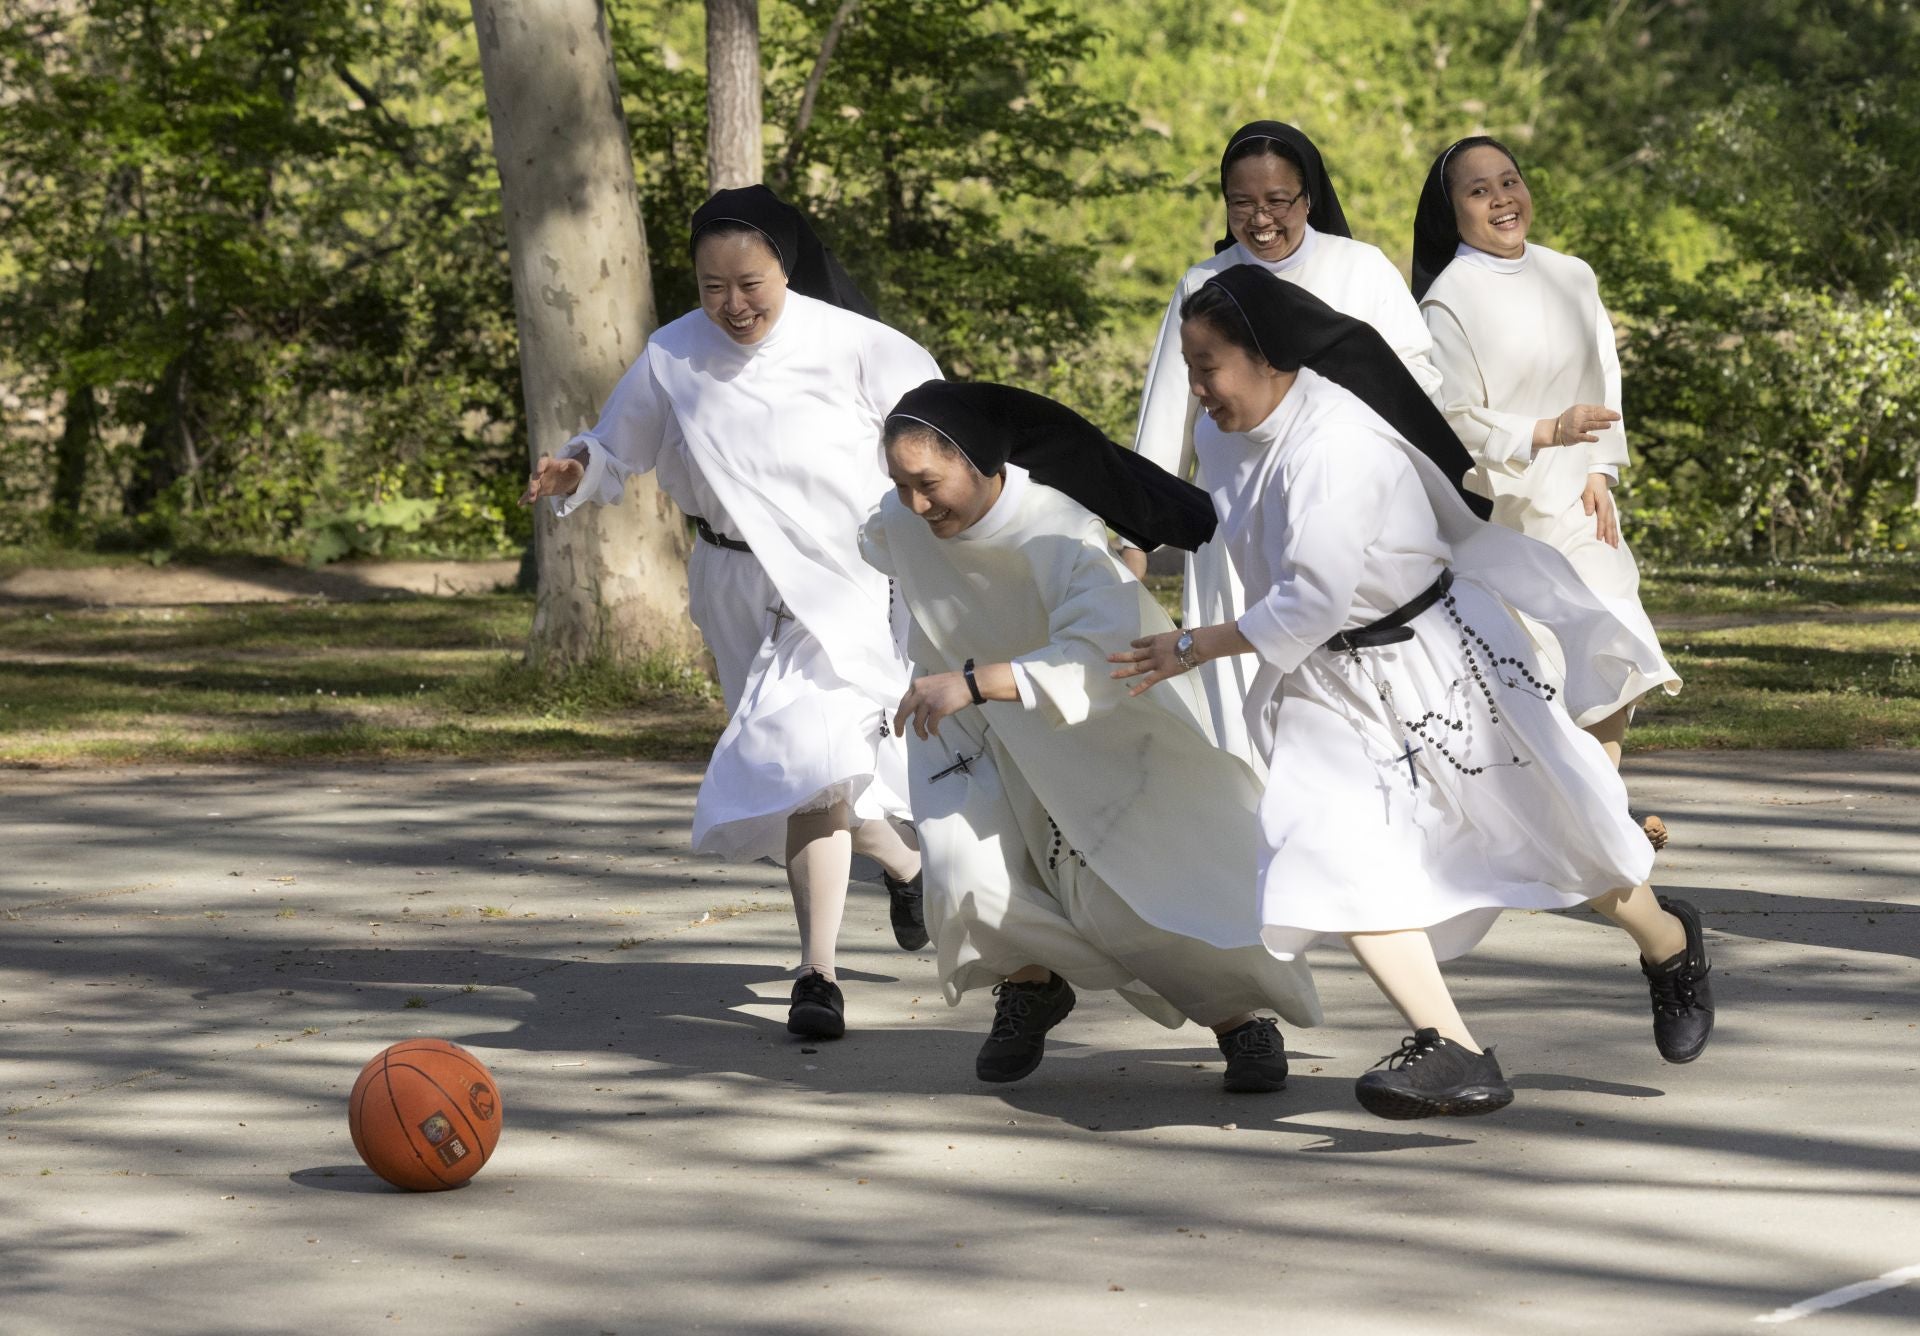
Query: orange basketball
[425,1115]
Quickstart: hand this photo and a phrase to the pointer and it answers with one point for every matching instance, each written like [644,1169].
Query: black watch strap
[973,686]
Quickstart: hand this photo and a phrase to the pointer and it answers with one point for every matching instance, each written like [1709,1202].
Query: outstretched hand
[929,700]
[1578,425]
[553,477]
[1152,658]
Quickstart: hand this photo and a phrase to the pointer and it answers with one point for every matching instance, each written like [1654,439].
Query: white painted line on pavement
[1846,1294]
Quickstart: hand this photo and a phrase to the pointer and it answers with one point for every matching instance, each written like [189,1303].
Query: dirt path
[253,581]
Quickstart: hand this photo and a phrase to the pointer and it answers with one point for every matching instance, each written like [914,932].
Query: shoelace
[816,988]
[1673,994]
[1256,1041]
[1411,1050]
[1012,1010]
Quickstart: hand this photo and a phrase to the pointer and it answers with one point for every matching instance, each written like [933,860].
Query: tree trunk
[612,579]
[733,93]
[71,456]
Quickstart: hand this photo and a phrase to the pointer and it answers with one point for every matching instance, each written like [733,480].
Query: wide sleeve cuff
[1609,471]
[602,484]
[1064,690]
[1508,447]
[1023,683]
[1270,638]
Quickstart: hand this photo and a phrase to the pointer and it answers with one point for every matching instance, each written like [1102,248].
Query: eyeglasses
[1277,209]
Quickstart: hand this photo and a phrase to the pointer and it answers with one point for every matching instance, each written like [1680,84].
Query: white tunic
[1101,835]
[777,444]
[1520,340]
[1353,278]
[1334,521]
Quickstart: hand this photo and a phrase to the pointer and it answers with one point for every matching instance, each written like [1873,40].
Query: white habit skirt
[799,738]
[1211,594]
[1352,842]
[1002,894]
[1612,574]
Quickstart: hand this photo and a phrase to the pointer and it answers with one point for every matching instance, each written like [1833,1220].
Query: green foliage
[254,290]
[1772,376]
[255,265]
[935,124]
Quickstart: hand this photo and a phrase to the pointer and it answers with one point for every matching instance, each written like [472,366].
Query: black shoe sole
[816,1022]
[1460,1102]
[1252,1085]
[1681,1059]
[911,938]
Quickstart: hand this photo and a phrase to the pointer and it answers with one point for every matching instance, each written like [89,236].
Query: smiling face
[1238,389]
[742,287]
[938,483]
[1267,205]
[1491,204]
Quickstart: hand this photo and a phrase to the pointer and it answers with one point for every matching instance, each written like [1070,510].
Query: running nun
[1284,216]
[761,414]
[1073,836]
[1423,776]
[1530,381]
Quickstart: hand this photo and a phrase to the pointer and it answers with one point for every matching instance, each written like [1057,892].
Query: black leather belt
[1392,628]
[707,534]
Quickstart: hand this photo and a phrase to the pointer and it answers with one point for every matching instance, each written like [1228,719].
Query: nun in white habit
[1073,835]
[761,414]
[1422,775]
[1530,380]
[1284,216]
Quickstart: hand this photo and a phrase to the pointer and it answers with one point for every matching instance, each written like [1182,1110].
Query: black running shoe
[1022,1016]
[905,907]
[1431,1077]
[1256,1057]
[1682,996]
[817,1011]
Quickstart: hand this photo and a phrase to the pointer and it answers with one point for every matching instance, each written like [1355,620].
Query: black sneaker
[1022,1016]
[1431,1077]
[817,1011]
[1682,997]
[905,907]
[1256,1058]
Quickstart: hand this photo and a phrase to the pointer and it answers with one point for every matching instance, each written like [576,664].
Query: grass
[1822,654]
[400,678]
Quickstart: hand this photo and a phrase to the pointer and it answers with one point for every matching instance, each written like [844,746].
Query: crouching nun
[761,412]
[1071,835]
[1422,777]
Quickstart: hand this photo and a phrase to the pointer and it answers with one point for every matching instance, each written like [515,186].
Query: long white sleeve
[1499,442]
[628,438]
[1167,406]
[890,365]
[1330,510]
[1094,609]
[1611,448]
[1396,316]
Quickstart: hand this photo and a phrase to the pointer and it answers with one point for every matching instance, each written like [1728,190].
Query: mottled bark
[733,93]
[612,579]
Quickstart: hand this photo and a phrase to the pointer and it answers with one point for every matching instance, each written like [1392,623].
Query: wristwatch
[1183,651]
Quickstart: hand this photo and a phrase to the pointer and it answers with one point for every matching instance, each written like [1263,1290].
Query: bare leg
[892,847]
[819,857]
[1611,732]
[1403,966]
[1659,935]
